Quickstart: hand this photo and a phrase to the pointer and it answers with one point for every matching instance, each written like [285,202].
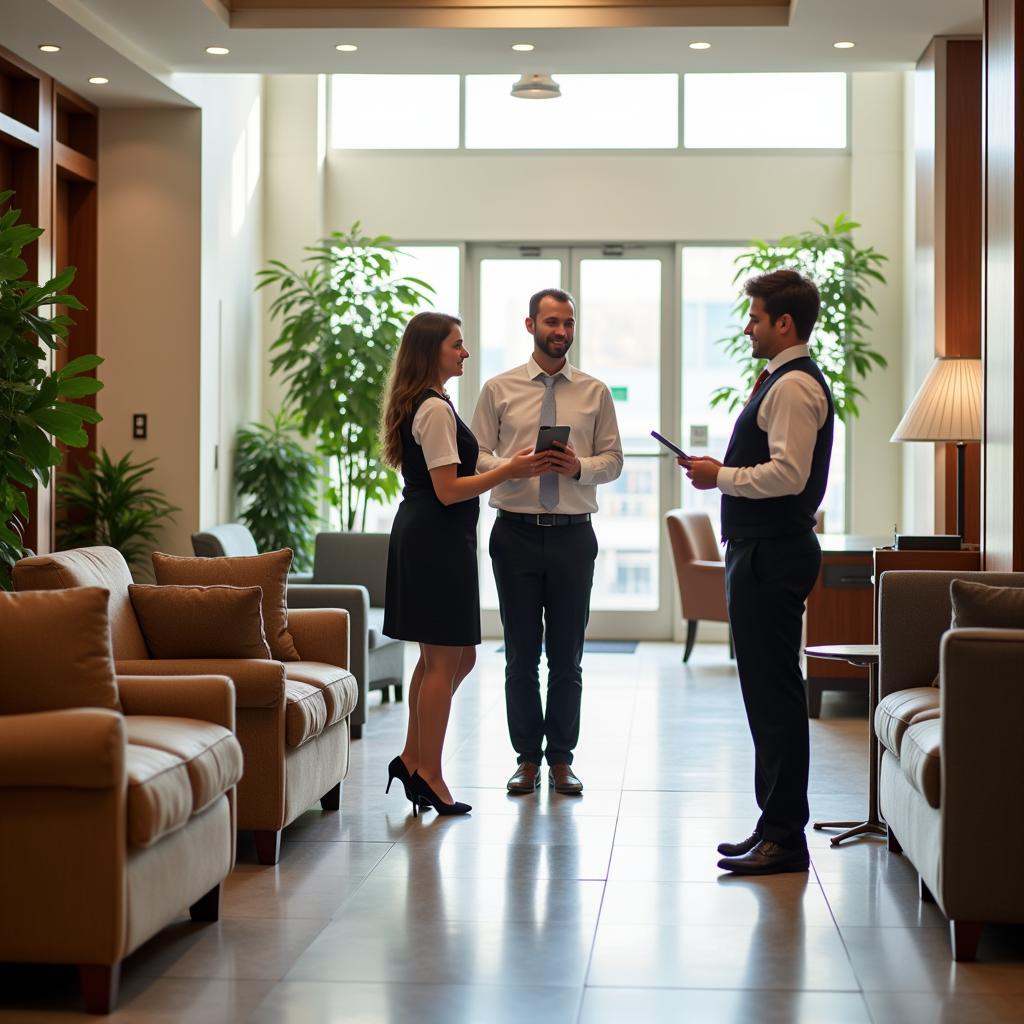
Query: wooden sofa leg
[331,800]
[100,983]
[385,695]
[207,907]
[814,691]
[268,846]
[356,731]
[891,841]
[691,637]
[398,693]
[964,936]
[924,892]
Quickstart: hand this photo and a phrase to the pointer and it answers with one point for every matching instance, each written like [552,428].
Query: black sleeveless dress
[433,587]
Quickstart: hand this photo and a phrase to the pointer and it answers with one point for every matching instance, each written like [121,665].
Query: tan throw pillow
[269,571]
[201,622]
[976,605]
[55,651]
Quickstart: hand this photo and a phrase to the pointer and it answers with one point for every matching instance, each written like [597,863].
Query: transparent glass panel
[719,111]
[620,344]
[593,112]
[708,295]
[505,289]
[394,112]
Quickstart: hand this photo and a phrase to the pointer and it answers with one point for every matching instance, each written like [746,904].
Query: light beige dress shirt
[792,413]
[506,420]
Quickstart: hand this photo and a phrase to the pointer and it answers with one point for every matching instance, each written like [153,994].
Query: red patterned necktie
[762,377]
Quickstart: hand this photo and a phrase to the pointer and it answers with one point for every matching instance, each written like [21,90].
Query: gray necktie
[548,481]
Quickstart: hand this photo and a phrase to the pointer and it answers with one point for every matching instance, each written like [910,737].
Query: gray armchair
[349,572]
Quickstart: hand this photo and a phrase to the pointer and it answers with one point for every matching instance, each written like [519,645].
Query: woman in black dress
[432,584]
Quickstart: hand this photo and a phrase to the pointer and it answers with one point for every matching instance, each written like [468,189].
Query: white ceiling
[140,44]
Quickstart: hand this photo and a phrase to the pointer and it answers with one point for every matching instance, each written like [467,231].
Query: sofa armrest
[80,748]
[206,698]
[321,634]
[299,577]
[258,683]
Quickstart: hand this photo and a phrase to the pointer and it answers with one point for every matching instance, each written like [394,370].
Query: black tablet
[669,444]
[547,436]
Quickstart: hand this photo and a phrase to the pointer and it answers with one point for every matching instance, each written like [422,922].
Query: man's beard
[548,347]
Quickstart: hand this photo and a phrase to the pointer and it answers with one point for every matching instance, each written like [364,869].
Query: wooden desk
[840,609]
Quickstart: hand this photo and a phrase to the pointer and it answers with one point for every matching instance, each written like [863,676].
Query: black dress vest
[416,476]
[788,514]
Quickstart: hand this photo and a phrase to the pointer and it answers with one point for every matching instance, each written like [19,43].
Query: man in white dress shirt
[543,545]
[772,480]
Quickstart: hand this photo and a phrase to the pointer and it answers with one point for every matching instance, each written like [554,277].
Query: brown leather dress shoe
[526,778]
[562,777]
[767,858]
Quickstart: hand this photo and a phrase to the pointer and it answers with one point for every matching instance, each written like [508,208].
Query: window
[764,111]
[593,112]
[395,111]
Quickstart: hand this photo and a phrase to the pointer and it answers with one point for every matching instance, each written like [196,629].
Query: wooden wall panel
[1003,344]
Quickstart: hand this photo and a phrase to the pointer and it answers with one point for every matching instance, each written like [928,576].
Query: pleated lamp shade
[947,406]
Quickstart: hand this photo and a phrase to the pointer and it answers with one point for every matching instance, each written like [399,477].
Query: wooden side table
[864,655]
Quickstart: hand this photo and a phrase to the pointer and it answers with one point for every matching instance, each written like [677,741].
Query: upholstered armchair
[700,571]
[117,800]
[292,718]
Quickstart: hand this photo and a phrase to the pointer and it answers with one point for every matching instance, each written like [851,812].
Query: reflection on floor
[603,908]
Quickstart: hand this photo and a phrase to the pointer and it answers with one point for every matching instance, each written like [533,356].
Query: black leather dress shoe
[740,848]
[767,858]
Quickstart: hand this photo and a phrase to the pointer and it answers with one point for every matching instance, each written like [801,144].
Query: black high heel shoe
[397,770]
[430,798]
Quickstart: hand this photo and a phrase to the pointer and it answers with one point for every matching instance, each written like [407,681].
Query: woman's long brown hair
[413,372]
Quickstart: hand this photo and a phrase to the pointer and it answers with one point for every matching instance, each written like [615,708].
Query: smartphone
[546,436]
[669,444]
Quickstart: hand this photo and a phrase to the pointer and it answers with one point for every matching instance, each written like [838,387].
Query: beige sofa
[291,718]
[112,822]
[952,771]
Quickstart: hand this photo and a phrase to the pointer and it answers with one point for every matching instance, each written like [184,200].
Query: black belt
[545,518]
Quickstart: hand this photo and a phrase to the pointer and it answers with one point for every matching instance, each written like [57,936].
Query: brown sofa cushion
[55,648]
[159,794]
[305,714]
[898,711]
[211,754]
[976,605]
[269,571]
[201,622]
[338,685]
[921,759]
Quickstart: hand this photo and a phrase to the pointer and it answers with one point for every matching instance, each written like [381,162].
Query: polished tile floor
[602,909]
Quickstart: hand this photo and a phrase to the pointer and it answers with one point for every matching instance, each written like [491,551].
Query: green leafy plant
[35,402]
[843,273]
[110,503]
[342,318]
[276,479]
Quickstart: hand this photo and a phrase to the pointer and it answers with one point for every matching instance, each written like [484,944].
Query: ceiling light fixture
[98,80]
[700,46]
[536,87]
[217,51]
[346,47]
[523,47]
[49,47]
[844,44]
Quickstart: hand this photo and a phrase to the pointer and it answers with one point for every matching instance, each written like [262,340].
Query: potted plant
[110,503]
[843,273]
[276,480]
[35,402]
[342,318]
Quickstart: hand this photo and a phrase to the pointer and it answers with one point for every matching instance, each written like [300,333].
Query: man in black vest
[772,481]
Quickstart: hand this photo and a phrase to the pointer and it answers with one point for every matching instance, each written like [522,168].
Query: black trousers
[544,576]
[766,584]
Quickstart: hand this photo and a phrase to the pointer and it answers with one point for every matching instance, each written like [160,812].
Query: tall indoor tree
[37,404]
[844,274]
[342,317]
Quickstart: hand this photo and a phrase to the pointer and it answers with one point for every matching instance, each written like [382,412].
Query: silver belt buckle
[550,515]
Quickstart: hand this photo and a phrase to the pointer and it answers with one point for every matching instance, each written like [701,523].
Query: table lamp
[947,407]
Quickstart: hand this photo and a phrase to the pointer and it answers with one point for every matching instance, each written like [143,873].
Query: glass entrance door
[625,309]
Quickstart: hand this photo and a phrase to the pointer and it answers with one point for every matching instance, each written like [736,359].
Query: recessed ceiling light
[522,47]
[49,47]
[98,80]
[218,51]
[844,45]
[700,46]
[346,47]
